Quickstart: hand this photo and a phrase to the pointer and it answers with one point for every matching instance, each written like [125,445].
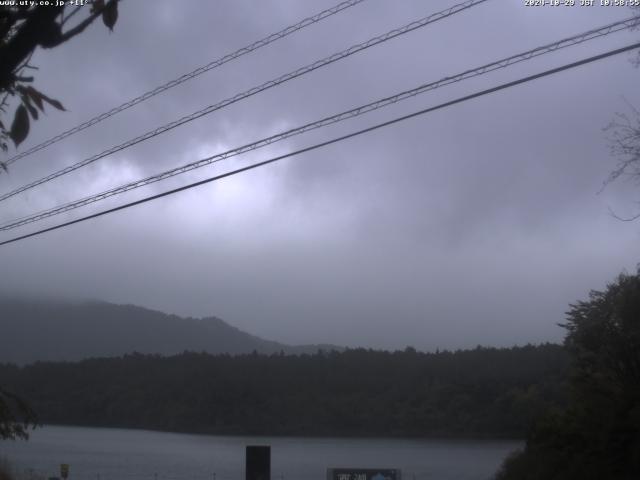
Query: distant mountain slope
[52,331]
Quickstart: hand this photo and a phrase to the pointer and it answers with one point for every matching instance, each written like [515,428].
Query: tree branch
[68,17]
[27,38]
[84,24]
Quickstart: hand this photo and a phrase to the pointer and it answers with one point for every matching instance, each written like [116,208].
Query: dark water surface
[118,454]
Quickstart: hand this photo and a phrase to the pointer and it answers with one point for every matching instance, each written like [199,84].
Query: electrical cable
[352,113]
[332,141]
[188,76]
[253,91]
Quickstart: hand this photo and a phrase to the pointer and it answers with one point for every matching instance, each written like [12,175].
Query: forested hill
[480,392]
[47,330]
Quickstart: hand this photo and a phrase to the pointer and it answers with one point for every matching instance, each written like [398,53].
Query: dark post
[258,462]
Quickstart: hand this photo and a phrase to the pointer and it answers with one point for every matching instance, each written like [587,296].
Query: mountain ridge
[59,330]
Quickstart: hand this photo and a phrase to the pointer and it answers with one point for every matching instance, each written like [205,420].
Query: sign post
[258,462]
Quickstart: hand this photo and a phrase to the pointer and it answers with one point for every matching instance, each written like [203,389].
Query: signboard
[64,470]
[363,474]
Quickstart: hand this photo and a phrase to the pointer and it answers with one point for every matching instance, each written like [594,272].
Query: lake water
[118,454]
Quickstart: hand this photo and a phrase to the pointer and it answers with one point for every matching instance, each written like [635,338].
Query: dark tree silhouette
[16,417]
[598,435]
[23,28]
[480,392]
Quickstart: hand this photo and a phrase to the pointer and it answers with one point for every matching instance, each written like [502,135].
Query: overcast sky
[477,224]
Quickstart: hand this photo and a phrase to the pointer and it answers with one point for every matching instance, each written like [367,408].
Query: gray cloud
[475,224]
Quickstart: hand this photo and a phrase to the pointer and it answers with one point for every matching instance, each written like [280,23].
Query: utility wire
[253,91]
[188,76]
[334,140]
[354,112]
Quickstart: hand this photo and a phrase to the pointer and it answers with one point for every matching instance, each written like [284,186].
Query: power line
[188,76]
[354,112]
[255,90]
[334,140]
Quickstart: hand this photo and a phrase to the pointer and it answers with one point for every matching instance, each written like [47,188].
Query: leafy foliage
[598,435]
[15,416]
[480,392]
[23,28]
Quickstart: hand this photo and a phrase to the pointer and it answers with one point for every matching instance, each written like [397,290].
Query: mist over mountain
[48,330]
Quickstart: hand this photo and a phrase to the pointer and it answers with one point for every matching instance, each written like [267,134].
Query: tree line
[480,392]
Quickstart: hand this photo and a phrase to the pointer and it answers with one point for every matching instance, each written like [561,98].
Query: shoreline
[435,438]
